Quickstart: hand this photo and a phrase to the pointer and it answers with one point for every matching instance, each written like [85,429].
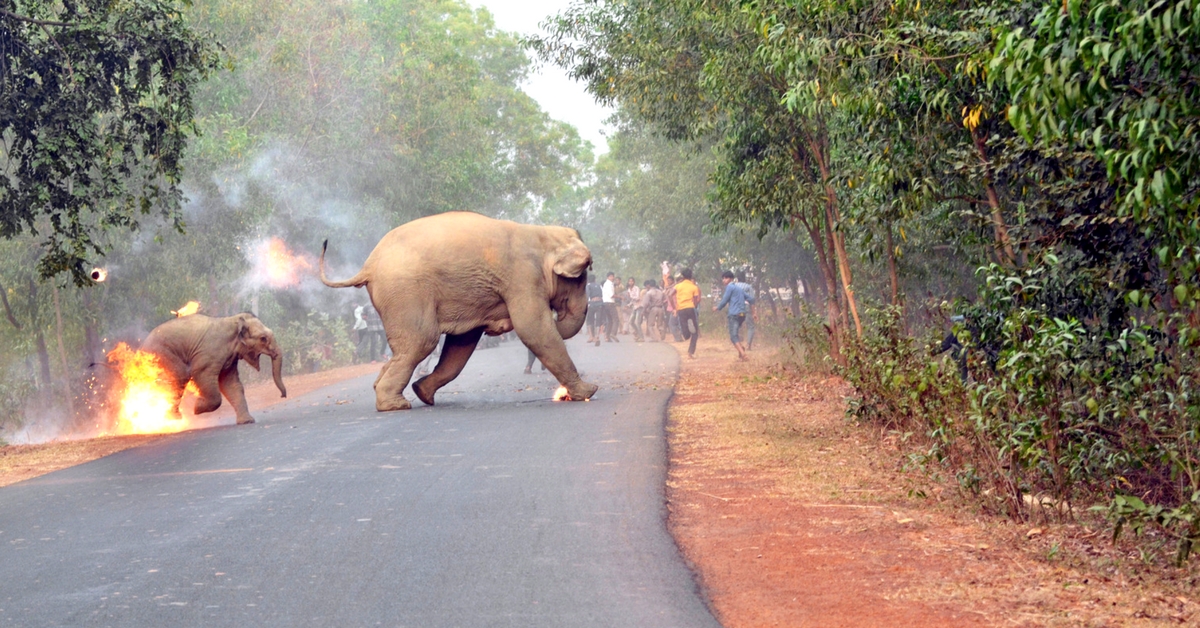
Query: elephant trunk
[573,314]
[277,367]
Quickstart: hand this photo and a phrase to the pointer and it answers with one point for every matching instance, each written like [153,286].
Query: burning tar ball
[98,275]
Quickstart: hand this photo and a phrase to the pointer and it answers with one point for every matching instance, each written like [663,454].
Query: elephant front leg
[535,327]
[232,389]
[455,352]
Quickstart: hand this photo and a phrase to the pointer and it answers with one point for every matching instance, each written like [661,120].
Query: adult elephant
[464,275]
[206,350]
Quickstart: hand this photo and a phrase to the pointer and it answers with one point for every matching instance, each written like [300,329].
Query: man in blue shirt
[739,305]
[752,315]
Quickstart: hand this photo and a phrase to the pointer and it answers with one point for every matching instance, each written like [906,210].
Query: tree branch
[965,199]
[30,20]
[8,308]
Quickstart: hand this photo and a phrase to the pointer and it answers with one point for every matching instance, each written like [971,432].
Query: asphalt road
[498,507]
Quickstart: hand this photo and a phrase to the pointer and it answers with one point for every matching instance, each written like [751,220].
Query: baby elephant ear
[572,259]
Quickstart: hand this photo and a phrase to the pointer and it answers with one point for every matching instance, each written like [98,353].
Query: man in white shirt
[360,330]
[611,317]
[633,305]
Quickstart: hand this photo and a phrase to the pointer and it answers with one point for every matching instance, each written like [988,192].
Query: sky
[558,95]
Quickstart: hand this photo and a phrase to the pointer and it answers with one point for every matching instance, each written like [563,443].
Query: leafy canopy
[95,112]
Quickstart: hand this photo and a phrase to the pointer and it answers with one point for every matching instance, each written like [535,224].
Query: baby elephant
[206,351]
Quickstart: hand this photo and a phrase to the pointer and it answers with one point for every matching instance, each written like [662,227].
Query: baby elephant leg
[208,393]
[231,387]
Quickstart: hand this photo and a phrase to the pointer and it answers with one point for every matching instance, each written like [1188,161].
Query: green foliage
[899,382]
[316,343]
[1117,77]
[95,112]
[805,341]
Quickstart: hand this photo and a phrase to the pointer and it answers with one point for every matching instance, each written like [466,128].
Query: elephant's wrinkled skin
[206,351]
[463,275]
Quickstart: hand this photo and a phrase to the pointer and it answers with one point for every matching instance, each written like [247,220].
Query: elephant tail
[356,281]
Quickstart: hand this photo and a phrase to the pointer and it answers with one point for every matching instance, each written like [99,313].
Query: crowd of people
[652,311]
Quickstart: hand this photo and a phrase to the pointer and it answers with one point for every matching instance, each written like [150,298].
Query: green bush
[805,340]
[315,343]
[1058,411]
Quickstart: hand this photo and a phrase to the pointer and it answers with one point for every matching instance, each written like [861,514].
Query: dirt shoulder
[22,462]
[793,516]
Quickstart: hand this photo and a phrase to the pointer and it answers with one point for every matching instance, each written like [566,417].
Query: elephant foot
[582,391]
[389,405]
[424,391]
[245,420]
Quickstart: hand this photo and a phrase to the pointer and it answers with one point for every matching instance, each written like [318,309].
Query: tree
[95,113]
[691,70]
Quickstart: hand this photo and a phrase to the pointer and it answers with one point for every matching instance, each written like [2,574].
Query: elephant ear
[240,327]
[571,260]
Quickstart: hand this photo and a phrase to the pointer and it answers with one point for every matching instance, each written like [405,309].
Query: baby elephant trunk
[277,367]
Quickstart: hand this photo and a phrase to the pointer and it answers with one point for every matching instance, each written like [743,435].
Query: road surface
[498,507]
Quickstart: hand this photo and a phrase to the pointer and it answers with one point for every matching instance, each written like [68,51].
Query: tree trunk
[833,221]
[891,258]
[91,341]
[833,308]
[770,299]
[62,349]
[43,360]
[1004,248]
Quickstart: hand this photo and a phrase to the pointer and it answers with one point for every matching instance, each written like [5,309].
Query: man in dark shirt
[595,314]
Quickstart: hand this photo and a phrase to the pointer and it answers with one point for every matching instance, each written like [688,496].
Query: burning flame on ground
[561,394]
[146,404]
[276,266]
[187,310]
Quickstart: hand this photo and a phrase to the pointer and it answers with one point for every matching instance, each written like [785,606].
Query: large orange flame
[147,404]
[276,265]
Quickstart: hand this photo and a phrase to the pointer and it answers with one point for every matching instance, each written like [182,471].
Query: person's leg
[749,332]
[529,361]
[735,329]
[363,343]
[690,326]
[635,321]
[612,321]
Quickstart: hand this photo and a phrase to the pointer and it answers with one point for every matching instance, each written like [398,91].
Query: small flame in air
[275,266]
[98,275]
[187,310]
[561,394]
[147,404]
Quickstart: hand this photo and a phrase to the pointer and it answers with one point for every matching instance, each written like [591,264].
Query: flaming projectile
[191,307]
[275,266]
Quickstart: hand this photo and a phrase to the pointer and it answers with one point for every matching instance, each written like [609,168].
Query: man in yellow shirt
[687,299]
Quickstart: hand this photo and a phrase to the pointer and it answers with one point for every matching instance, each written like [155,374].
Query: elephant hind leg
[455,352]
[396,373]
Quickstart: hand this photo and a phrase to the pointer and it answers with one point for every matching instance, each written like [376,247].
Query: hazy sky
[558,95]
